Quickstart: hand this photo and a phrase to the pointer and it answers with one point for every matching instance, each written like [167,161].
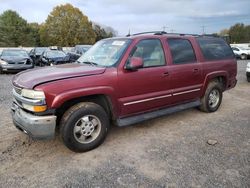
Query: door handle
[195,70]
[165,74]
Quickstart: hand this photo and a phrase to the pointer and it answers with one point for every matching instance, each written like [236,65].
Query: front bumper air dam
[37,127]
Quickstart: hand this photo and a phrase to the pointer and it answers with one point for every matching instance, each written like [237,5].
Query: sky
[180,16]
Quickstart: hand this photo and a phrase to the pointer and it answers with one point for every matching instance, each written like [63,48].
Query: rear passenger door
[184,70]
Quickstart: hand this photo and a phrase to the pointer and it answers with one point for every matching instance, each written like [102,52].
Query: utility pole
[172,30]
[164,28]
[203,29]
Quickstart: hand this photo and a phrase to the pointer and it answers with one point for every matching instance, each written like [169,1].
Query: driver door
[146,88]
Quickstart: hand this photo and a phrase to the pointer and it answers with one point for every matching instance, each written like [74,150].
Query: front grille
[18,90]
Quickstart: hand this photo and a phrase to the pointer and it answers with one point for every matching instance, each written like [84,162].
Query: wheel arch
[104,101]
[220,76]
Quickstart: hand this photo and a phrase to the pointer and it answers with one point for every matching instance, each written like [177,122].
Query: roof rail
[183,34]
[148,32]
[165,33]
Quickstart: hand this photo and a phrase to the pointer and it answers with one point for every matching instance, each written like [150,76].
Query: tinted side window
[182,51]
[150,50]
[235,49]
[215,48]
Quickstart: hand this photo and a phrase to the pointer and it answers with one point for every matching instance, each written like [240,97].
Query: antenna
[128,35]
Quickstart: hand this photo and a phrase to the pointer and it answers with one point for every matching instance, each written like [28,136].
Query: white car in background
[248,72]
[241,52]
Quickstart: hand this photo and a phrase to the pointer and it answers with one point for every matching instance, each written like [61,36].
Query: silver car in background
[15,60]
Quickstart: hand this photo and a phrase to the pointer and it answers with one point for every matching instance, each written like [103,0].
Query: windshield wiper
[90,63]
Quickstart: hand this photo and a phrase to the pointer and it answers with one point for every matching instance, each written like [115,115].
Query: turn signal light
[39,108]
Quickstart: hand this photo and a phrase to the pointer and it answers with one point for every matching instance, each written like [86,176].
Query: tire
[84,126]
[1,70]
[243,56]
[212,98]
[248,78]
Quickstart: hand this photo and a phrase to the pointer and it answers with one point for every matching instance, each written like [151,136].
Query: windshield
[55,54]
[15,53]
[39,51]
[82,48]
[105,52]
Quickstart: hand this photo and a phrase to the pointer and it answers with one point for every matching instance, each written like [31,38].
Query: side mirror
[134,63]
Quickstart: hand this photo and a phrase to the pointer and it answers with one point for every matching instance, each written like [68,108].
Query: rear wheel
[211,101]
[84,126]
[248,78]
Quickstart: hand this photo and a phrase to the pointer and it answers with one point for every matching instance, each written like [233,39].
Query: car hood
[14,59]
[31,78]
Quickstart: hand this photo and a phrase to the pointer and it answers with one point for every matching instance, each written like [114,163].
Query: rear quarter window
[215,48]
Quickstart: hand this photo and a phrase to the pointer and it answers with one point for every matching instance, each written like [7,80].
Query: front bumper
[38,127]
[15,68]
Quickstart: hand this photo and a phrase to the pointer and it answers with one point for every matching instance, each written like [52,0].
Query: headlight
[32,94]
[3,62]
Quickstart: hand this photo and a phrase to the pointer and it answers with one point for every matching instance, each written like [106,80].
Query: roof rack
[165,33]
[183,34]
[148,32]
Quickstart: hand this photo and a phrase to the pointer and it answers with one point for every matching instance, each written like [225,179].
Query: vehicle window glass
[235,49]
[215,48]
[55,54]
[39,51]
[105,52]
[150,50]
[15,53]
[182,51]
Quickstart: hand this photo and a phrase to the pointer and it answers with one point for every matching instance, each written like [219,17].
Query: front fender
[82,92]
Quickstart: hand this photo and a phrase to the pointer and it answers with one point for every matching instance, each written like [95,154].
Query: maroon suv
[122,81]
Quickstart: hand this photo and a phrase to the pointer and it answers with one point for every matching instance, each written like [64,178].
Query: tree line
[238,33]
[65,26]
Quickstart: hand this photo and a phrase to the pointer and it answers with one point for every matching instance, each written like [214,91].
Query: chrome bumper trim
[38,127]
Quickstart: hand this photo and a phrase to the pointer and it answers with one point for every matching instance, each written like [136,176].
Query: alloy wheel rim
[87,129]
[213,98]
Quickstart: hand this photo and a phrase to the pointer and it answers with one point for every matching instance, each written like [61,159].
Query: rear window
[215,48]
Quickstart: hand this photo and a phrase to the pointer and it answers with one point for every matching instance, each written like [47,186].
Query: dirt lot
[171,151]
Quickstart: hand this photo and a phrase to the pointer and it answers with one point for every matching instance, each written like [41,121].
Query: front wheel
[211,101]
[243,56]
[84,126]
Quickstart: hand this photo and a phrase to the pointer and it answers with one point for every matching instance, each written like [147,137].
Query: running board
[154,114]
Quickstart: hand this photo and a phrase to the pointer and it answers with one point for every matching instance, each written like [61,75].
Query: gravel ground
[171,151]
